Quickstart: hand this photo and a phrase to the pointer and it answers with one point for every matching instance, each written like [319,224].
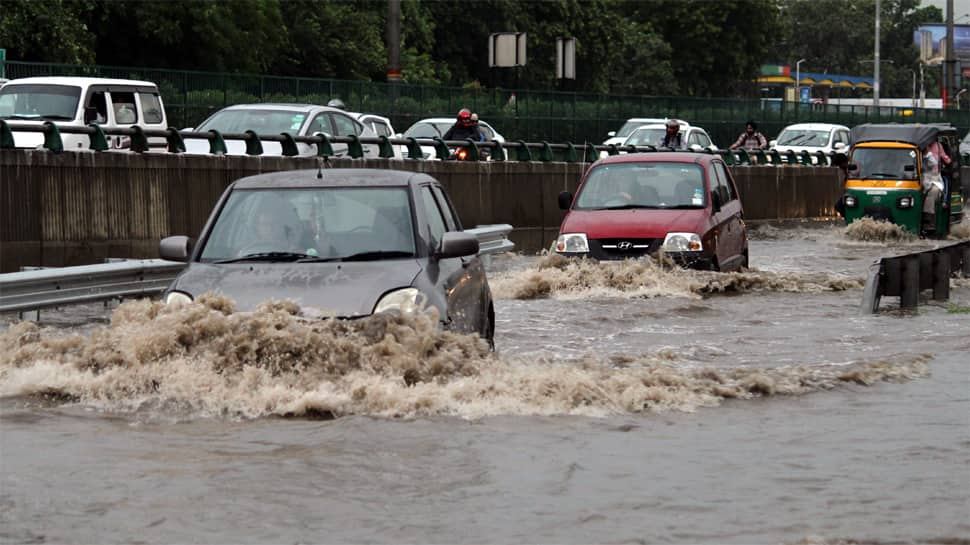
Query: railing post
[253,145]
[941,276]
[6,136]
[174,139]
[217,146]
[909,288]
[354,148]
[139,143]
[52,138]
[414,150]
[288,145]
[97,140]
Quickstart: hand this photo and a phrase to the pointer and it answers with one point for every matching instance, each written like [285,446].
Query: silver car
[294,119]
[344,242]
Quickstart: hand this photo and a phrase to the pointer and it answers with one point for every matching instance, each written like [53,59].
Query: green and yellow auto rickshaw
[885,171]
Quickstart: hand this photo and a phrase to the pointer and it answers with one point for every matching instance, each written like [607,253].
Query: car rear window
[324,222]
[258,121]
[643,185]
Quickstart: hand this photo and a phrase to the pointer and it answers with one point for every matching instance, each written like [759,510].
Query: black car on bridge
[346,243]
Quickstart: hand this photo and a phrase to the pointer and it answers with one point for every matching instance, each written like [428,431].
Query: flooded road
[627,403]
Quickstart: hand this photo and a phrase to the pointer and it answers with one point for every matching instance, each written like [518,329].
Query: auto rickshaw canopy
[919,135]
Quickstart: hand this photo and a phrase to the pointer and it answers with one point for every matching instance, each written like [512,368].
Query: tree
[716,47]
[51,31]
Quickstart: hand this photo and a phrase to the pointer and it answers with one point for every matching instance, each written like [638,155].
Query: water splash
[870,230]
[204,359]
[566,278]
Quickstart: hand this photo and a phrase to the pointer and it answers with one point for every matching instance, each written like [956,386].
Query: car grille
[622,248]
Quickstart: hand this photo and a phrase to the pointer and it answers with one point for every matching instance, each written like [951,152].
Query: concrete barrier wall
[81,207]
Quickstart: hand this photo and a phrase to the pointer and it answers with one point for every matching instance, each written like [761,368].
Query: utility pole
[393,41]
[875,87]
[950,62]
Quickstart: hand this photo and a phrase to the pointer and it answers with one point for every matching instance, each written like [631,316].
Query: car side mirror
[188,129]
[175,248]
[90,114]
[457,244]
[565,200]
[852,167]
[839,145]
[716,200]
[772,143]
[611,134]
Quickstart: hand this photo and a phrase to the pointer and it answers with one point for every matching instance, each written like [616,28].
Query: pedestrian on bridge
[751,139]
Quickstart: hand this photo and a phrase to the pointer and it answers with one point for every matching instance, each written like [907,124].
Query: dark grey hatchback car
[346,242]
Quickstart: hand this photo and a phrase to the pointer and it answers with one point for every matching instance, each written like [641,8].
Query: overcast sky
[960,7]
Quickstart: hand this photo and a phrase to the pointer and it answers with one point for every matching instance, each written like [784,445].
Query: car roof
[657,120]
[63,80]
[331,177]
[307,108]
[815,126]
[662,126]
[659,157]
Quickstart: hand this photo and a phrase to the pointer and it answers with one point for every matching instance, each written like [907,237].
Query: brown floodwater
[626,403]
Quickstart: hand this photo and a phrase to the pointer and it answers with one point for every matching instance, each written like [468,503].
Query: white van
[78,102]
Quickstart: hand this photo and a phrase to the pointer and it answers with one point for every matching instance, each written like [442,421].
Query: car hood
[642,223]
[799,149]
[332,289]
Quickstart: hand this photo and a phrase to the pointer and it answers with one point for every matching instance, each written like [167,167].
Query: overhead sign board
[937,42]
[506,49]
[565,58]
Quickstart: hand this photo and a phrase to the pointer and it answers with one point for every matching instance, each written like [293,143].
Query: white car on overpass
[293,119]
[694,137]
[632,124]
[812,137]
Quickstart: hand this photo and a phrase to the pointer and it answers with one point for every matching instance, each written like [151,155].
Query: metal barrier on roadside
[905,276]
[525,151]
[46,288]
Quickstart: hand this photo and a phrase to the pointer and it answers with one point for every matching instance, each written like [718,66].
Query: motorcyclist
[751,139]
[673,138]
[463,128]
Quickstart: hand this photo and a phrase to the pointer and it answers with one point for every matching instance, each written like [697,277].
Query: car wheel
[715,266]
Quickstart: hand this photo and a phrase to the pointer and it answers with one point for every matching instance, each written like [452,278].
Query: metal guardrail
[493,239]
[905,276]
[524,151]
[46,288]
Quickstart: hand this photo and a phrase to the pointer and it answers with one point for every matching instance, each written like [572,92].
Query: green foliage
[51,31]
[953,308]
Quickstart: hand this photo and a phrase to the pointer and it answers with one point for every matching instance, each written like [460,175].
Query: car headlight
[177,298]
[851,201]
[682,242]
[405,301]
[572,243]
[905,202]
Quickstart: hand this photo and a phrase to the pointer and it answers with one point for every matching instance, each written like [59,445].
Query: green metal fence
[190,96]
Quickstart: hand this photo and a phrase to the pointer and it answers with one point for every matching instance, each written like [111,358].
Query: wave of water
[560,277]
[204,359]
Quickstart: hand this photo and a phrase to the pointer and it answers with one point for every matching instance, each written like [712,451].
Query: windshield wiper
[24,117]
[362,256]
[266,256]
[684,206]
[57,117]
[628,207]
[883,174]
[795,140]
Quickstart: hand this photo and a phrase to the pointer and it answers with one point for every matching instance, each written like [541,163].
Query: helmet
[337,103]
[465,117]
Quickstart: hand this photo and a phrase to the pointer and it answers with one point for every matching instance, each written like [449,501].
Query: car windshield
[646,137]
[803,137]
[643,185]
[428,130]
[258,121]
[631,125]
[884,163]
[323,223]
[48,102]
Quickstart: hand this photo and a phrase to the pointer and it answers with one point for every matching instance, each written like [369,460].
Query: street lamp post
[798,79]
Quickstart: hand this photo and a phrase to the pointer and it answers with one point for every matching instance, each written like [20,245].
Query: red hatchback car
[683,204]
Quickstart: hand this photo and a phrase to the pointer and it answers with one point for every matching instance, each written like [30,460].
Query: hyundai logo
[624,246]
